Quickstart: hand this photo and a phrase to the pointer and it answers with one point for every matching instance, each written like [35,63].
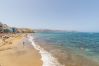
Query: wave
[46,57]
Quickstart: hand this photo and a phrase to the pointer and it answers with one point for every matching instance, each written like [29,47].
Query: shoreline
[46,57]
[67,57]
[32,53]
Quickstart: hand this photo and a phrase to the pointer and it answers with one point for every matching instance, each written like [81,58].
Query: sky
[77,15]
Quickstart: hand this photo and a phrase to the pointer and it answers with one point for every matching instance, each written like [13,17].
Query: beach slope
[19,54]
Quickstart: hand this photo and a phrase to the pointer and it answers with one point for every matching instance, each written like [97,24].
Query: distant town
[4,28]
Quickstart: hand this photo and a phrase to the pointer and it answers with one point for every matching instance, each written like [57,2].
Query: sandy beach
[20,50]
[15,53]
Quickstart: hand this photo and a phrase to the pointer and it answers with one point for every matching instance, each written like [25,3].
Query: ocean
[70,48]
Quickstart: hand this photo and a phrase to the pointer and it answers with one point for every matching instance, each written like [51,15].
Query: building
[4,28]
[14,30]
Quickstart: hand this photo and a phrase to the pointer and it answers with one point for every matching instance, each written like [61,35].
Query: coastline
[33,53]
[67,57]
[16,54]
[27,54]
[46,57]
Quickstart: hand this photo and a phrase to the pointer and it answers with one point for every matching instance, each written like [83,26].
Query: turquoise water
[76,41]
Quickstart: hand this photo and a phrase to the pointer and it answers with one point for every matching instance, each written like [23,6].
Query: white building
[3,27]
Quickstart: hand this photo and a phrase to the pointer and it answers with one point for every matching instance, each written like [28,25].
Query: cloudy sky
[79,15]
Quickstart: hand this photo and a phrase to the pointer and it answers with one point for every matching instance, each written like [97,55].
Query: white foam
[46,57]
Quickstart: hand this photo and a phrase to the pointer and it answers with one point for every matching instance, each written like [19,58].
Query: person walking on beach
[23,43]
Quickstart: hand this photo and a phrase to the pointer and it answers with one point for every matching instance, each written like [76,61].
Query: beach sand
[14,53]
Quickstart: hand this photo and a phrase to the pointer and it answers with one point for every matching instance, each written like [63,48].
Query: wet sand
[15,53]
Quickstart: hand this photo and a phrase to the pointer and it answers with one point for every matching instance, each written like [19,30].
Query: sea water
[71,48]
[46,57]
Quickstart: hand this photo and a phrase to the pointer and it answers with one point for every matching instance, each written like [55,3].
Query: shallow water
[71,48]
[46,57]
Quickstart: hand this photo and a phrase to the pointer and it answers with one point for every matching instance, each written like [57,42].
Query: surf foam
[46,57]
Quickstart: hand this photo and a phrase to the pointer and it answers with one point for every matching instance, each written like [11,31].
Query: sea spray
[46,57]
